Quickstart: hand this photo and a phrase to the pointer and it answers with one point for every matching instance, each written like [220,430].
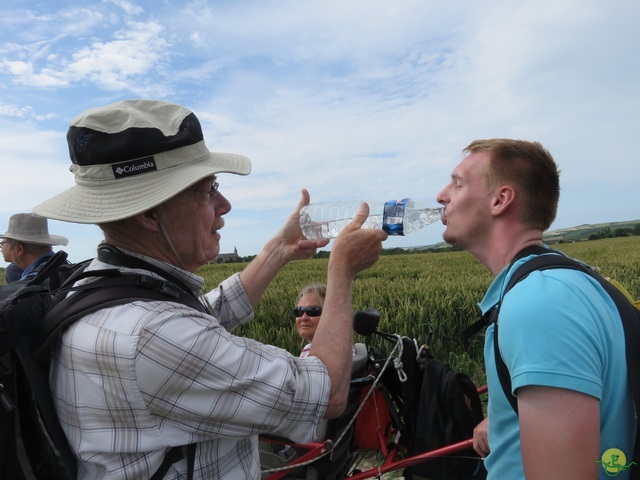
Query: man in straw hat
[132,381]
[28,244]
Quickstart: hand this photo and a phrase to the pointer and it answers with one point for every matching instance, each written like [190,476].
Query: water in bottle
[396,217]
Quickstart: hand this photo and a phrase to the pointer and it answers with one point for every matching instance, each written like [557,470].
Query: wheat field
[417,294]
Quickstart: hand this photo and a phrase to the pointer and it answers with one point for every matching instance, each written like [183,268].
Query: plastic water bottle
[396,217]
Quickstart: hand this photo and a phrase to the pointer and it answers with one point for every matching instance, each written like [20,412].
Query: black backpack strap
[631,322]
[173,456]
[540,262]
[113,256]
[113,289]
[475,327]
[503,371]
[410,388]
[50,268]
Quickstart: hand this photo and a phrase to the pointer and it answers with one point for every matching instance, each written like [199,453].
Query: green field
[419,293]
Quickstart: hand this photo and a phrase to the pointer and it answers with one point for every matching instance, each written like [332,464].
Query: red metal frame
[391,464]
[391,461]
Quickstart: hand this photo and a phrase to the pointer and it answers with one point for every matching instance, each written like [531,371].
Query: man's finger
[361,216]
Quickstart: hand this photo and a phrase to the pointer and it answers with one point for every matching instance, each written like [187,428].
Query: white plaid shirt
[134,380]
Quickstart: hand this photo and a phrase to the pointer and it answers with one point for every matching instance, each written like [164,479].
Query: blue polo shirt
[558,328]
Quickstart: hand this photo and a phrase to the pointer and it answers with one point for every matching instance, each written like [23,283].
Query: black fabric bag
[448,410]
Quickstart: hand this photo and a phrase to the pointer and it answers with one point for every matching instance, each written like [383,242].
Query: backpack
[447,411]
[629,314]
[33,314]
[429,403]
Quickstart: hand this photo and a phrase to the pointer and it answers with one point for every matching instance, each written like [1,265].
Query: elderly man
[27,243]
[134,380]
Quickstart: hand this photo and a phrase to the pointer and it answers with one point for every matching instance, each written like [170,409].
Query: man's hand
[355,249]
[294,245]
[288,244]
[480,438]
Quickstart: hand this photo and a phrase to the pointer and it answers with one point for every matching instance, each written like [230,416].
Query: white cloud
[128,7]
[49,49]
[13,111]
[65,56]
[134,52]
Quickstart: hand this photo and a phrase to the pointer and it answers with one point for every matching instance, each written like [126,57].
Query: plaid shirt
[134,380]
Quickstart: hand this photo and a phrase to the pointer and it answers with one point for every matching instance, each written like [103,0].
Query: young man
[28,244]
[132,381]
[560,334]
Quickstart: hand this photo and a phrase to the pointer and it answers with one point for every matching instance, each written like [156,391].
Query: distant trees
[618,232]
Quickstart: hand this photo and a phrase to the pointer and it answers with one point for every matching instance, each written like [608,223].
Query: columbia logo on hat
[134,167]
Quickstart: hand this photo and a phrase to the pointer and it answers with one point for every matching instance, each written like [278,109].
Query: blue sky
[350,99]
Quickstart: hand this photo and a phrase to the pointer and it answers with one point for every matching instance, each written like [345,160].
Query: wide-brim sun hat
[30,228]
[131,156]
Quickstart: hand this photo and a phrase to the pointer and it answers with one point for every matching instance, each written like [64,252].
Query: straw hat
[131,156]
[30,228]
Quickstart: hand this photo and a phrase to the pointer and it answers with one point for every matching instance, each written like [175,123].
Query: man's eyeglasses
[311,311]
[3,243]
[212,193]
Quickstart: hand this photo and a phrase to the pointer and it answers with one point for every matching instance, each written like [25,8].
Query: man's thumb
[361,216]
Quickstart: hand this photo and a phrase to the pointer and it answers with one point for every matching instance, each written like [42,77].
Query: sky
[351,99]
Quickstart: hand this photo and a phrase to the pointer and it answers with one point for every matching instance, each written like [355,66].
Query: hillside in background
[590,232]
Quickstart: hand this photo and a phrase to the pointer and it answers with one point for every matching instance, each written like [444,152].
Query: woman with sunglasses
[308,311]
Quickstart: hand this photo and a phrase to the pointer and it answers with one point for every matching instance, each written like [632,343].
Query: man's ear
[18,248]
[503,198]
[149,220]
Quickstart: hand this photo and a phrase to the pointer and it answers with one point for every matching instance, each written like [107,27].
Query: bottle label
[393,216]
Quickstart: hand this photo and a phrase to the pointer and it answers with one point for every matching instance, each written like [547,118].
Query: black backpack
[629,315]
[447,410]
[33,313]
[432,405]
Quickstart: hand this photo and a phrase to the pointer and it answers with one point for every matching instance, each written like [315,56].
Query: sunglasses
[311,311]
